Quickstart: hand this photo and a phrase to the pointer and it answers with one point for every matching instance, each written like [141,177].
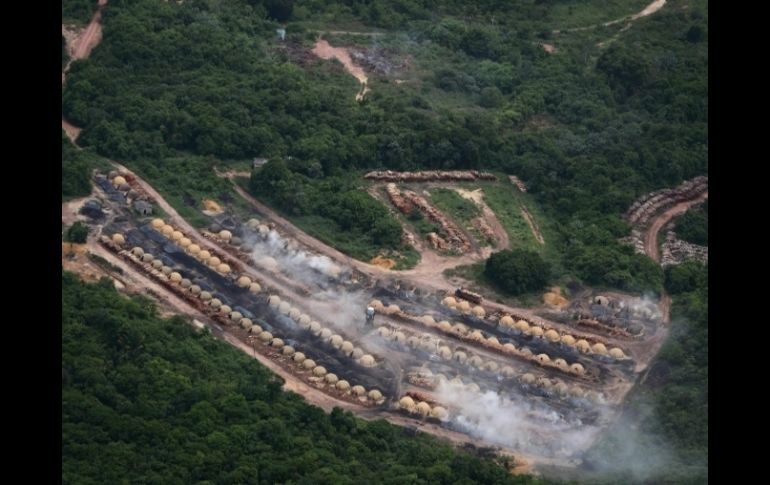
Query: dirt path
[325,51]
[79,46]
[136,282]
[71,130]
[532,226]
[349,32]
[477,197]
[651,235]
[91,36]
[428,273]
[648,10]
[296,233]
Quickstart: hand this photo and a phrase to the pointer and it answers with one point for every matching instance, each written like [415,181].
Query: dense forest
[517,271]
[667,414]
[589,129]
[150,399]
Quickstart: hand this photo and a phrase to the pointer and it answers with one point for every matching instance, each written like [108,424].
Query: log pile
[430,176]
[455,237]
[641,211]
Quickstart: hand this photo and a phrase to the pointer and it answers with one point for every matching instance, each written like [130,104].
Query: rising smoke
[529,425]
[279,254]
[516,423]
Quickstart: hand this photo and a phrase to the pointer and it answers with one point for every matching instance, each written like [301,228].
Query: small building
[258,162]
[142,207]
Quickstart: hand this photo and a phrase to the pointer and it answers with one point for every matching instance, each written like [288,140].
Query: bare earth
[80,43]
[324,50]
[532,226]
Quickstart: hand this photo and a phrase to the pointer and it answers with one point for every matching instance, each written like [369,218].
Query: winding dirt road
[651,235]
[80,48]
[648,10]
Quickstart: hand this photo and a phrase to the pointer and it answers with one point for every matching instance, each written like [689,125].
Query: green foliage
[454,205]
[686,277]
[506,203]
[77,11]
[207,78]
[693,226]
[279,10]
[149,400]
[77,233]
[626,70]
[75,168]
[64,56]
[517,271]
[337,211]
[185,181]
[668,413]
[614,265]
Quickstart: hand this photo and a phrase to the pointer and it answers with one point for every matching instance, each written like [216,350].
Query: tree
[686,277]
[77,233]
[280,10]
[626,70]
[517,271]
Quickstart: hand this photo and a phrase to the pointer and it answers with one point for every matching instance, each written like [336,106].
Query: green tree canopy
[517,271]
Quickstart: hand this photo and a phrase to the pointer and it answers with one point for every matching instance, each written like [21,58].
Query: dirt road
[429,272]
[532,226]
[648,10]
[80,47]
[324,50]
[92,35]
[273,279]
[651,235]
[349,32]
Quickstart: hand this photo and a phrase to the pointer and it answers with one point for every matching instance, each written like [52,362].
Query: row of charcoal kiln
[463,356]
[462,332]
[315,373]
[551,335]
[550,386]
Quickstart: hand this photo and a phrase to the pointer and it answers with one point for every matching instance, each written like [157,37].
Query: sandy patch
[383,262]
[554,298]
[211,208]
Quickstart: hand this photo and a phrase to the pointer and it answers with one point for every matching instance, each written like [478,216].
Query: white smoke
[523,425]
[646,307]
[278,254]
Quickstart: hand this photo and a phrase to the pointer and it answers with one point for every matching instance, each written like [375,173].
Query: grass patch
[507,208]
[460,210]
[453,204]
[100,261]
